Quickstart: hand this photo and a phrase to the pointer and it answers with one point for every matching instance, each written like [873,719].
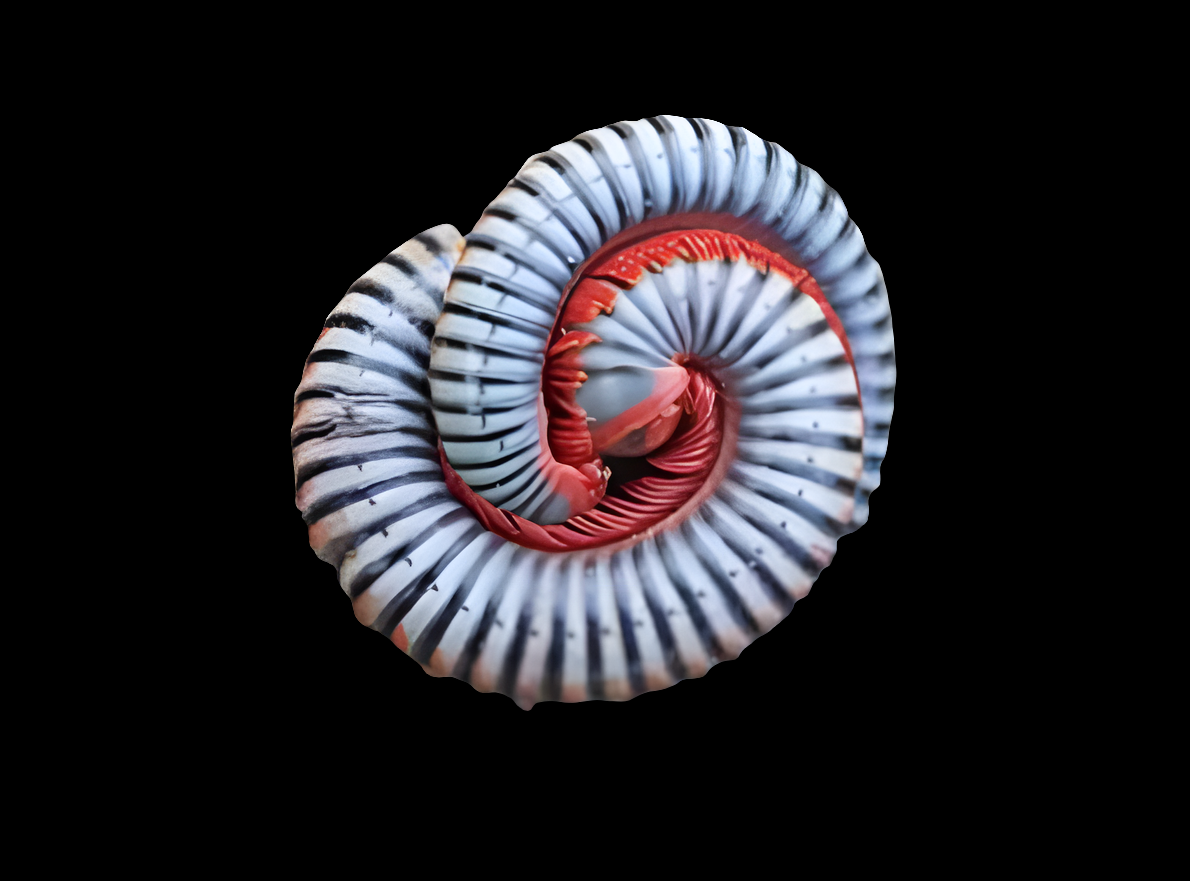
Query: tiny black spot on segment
[385,531]
[409,561]
[702,594]
[371,502]
[360,467]
[532,632]
[799,492]
[570,634]
[782,524]
[465,609]
[499,623]
[815,424]
[639,623]
[433,587]
[733,573]
[760,552]
[607,631]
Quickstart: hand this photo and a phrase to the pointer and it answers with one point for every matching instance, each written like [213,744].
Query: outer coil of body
[566,203]
[592,624]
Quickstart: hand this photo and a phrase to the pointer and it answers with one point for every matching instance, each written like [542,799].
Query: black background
[859,661]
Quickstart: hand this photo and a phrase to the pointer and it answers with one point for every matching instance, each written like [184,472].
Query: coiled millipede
[611,437]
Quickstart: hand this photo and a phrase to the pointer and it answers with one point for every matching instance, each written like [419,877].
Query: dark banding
[311,435]
[330,463]
[674,566]
[792,502]
[665,636]
[368,574]
[636,151]
[558,211]
[475,642]
[400,605]
[607,169]
[636,677]
[481,314]
[408,378]
[772,585]
[594,651]
[673,154]
[430,243]
[508,252]
[427,641]
[478,276]
[578,186]
[411,272]
[332,502]
[731,598]
[551,676]
[705,181]
[817,402]
[516,649]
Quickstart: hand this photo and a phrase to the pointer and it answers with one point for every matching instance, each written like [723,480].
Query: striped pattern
[561,207]
[592,624]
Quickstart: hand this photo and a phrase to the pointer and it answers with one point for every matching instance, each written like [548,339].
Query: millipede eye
[659,391]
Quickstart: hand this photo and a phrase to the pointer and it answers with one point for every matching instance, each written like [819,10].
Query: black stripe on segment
[427,641]
[792,338]
[370,572]
[792,502]
[475,410]
[787,542]
[712,566]
[636,151]
[313,393]
[804,436]
[674,566]
[412,380]
[704,156]
[504,214]
[817,402]
[479,438]
[516,648]
[400,605]
[575,183]
[769,154]
[665,636]
[551,676]
[487,351]
[502,286]
[594,652]
[809,368]
[336,501]
[636,678]
[556,210]
[452,376]
[369,287]
[430,243]
[496,319]
[769,582]
[475,642]
[330,463]
[510,480]
[362,326]
[404,266]
[672,153]
[796,468]
[492,463]
[537,498]
[608,170]
[745,295]
[313,434]
[505,250]
[739,142]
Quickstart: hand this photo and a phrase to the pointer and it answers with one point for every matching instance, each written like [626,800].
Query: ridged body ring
[610,438]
